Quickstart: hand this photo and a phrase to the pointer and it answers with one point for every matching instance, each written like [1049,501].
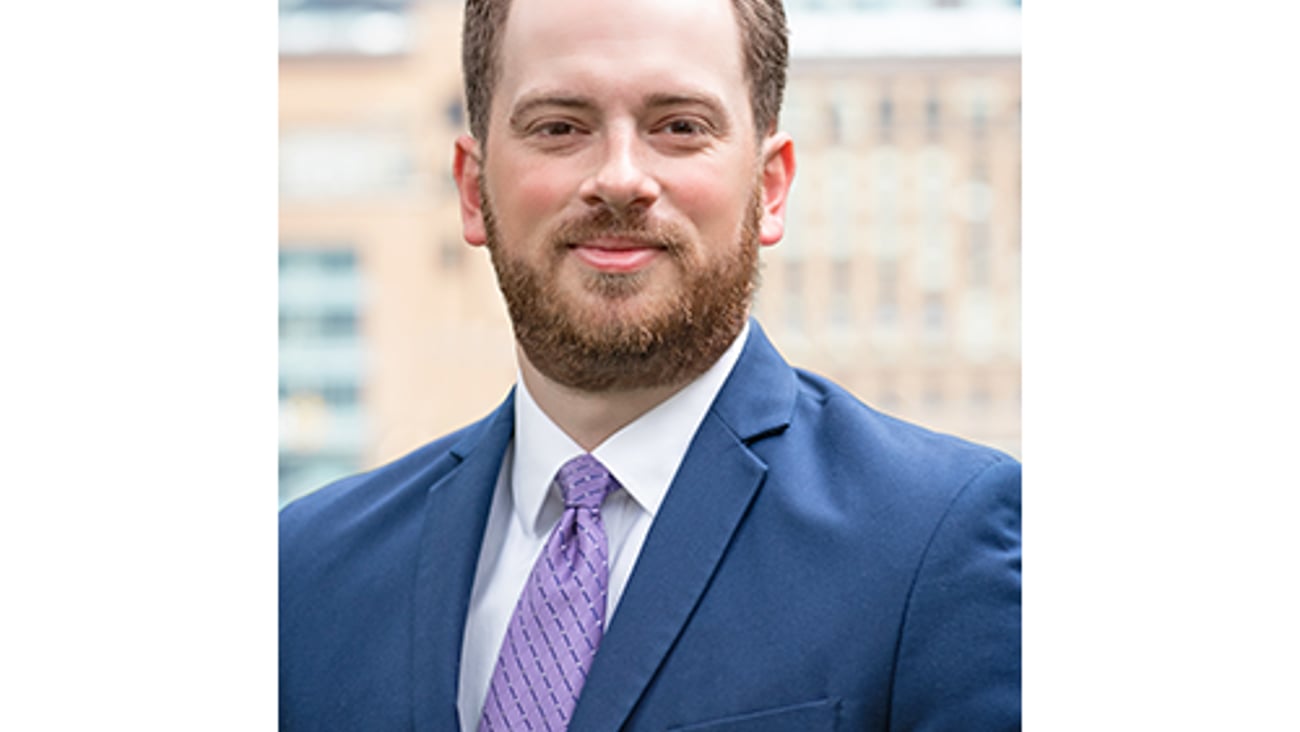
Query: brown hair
[763,38]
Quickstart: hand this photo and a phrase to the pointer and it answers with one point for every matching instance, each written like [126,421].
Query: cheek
[524,197]
[715,203]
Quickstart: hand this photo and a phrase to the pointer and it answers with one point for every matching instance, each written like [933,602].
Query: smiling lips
[615,255]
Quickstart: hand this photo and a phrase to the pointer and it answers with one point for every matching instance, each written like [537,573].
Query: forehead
[611,50]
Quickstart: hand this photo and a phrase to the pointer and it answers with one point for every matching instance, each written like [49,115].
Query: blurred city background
[899,276]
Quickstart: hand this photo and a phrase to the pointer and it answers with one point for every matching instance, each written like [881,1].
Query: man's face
[623,192]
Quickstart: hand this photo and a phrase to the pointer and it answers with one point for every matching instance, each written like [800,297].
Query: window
[979,116]
[841,294]
[980,396]
[451,253]
[887,293]
[454,112]
[834,124]
[338,324]
[932,119]
[980,261]
[337,260]
[794,296]
[343,162]
[340,394]
[321,365]
[842,206]
[933,312]
[341,28]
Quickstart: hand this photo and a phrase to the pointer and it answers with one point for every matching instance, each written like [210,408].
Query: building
[899,275]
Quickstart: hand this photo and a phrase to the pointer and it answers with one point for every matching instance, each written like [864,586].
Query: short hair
[764,43]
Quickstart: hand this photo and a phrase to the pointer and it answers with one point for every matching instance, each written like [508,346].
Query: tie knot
[584,482]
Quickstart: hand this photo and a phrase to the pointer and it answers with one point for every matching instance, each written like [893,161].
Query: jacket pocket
[805,717]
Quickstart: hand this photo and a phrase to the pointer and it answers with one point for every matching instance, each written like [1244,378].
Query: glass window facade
[322,418]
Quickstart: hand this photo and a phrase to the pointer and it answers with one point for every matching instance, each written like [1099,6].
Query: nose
[622,179]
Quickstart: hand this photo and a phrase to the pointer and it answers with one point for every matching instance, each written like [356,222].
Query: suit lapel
[717,481]
[455,516]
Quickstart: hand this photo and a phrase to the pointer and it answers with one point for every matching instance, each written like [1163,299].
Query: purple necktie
[560,617]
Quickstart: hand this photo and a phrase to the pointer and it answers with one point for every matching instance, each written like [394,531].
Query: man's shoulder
[821,429]
[845,431]
[389,488]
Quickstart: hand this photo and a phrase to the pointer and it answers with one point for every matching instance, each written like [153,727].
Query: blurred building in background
[899,276]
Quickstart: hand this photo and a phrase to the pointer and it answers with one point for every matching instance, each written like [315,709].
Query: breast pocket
[805,717]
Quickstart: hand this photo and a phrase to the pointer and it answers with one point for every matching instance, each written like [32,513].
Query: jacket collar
[758,398]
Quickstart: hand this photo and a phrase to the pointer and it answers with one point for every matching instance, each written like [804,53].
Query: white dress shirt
[643,456]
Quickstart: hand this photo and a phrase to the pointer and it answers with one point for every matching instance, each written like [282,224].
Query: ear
[466,167]
[778,174]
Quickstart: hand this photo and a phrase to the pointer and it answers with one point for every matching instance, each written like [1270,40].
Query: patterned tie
[560,618]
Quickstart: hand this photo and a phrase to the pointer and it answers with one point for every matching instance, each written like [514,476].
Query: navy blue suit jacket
[815,565]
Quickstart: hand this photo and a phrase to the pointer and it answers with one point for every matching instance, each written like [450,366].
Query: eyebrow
[675,100]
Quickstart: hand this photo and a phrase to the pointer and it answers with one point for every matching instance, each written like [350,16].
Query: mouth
[616,255]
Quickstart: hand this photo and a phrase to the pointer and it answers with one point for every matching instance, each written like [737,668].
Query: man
[664,526]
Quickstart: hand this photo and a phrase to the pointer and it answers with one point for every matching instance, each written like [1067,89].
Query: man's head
[628,184]
[764,44]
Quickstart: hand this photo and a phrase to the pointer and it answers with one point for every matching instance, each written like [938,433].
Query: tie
[560,618]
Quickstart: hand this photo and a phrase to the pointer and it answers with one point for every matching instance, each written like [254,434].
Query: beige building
[898,277]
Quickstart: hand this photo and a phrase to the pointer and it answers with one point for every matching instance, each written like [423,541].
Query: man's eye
[684,127]
[555,129]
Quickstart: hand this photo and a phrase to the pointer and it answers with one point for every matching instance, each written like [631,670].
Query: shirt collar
[643,456]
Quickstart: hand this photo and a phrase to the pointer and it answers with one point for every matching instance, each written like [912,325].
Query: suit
[815,565]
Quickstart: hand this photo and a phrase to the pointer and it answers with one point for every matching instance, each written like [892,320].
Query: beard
[586,341]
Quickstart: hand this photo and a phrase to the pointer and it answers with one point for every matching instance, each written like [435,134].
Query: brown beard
[610,350]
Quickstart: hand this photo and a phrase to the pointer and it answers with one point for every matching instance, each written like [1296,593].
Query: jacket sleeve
[958,660]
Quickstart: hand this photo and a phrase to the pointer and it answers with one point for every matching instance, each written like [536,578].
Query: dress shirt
[643,457]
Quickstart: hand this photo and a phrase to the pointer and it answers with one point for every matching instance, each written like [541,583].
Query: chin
[617,308]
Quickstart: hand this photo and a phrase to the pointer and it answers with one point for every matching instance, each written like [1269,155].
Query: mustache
[635,225]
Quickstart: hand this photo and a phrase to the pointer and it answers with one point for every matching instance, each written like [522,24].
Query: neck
[589,418]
